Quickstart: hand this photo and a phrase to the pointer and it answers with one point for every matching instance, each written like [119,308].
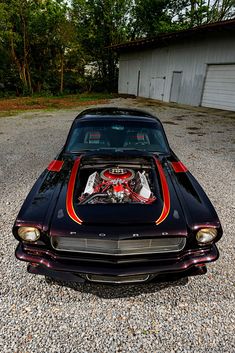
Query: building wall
[154,68]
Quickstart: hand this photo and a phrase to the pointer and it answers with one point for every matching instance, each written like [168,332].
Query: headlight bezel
[22,233]
[206,236]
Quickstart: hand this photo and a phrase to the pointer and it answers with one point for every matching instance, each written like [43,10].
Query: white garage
[219,89]
[192,67]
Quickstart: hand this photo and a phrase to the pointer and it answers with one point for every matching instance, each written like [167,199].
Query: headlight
[29,233]
[206,236]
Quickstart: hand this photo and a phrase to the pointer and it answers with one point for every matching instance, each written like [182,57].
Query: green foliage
[150,17]
[200,12]
[101,23]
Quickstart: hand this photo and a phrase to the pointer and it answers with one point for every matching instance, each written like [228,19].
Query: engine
[117,185]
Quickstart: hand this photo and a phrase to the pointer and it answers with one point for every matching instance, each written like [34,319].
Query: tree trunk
[62,73]
[29,78]
[20,67]
[26,52]
[39,87]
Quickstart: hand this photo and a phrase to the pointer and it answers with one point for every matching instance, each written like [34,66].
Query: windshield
[95,135]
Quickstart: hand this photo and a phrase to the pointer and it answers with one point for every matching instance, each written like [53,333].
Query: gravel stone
[183,316]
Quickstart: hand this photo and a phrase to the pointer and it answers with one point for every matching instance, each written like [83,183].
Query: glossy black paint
[45,208]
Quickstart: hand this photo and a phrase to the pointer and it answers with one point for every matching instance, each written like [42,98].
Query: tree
[221,10]
[100,24]
[36,34]
[200,12]
[51,34]
[149,17]
[14,24]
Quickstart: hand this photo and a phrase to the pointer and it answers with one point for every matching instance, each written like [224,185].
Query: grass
[4,114]
[13,106]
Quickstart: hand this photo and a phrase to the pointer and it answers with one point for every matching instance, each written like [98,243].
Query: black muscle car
[116,206]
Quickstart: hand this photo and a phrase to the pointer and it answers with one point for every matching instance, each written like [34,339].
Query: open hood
[119,203]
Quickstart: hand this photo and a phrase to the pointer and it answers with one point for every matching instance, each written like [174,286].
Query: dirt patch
[29,103]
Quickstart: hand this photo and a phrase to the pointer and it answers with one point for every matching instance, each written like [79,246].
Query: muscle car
[116,206]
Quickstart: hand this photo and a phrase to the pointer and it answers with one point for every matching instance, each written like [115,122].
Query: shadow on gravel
[109,291]
[169,122]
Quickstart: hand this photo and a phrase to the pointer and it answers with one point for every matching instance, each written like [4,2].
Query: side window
[158,139]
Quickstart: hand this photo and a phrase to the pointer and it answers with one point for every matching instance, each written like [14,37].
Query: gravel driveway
[194,316]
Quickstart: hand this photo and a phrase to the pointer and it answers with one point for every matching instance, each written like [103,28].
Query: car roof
[106,113]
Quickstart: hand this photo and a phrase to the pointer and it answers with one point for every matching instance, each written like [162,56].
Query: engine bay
[117,184]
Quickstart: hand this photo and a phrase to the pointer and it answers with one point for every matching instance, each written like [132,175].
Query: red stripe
[55,166]
[179,167]
[69,197]
[166,193]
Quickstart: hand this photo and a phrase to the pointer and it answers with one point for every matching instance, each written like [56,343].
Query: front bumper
[73,268]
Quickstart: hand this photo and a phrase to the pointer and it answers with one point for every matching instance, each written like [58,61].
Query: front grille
[118,247]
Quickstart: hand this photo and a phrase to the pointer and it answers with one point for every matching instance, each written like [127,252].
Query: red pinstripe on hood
[69,197]
[166,193]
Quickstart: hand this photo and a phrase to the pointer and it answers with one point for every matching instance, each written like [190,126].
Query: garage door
[219,90]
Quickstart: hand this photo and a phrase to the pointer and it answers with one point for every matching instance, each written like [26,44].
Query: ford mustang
[116,206]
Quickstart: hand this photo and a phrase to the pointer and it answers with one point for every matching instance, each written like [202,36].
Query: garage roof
[167,38]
